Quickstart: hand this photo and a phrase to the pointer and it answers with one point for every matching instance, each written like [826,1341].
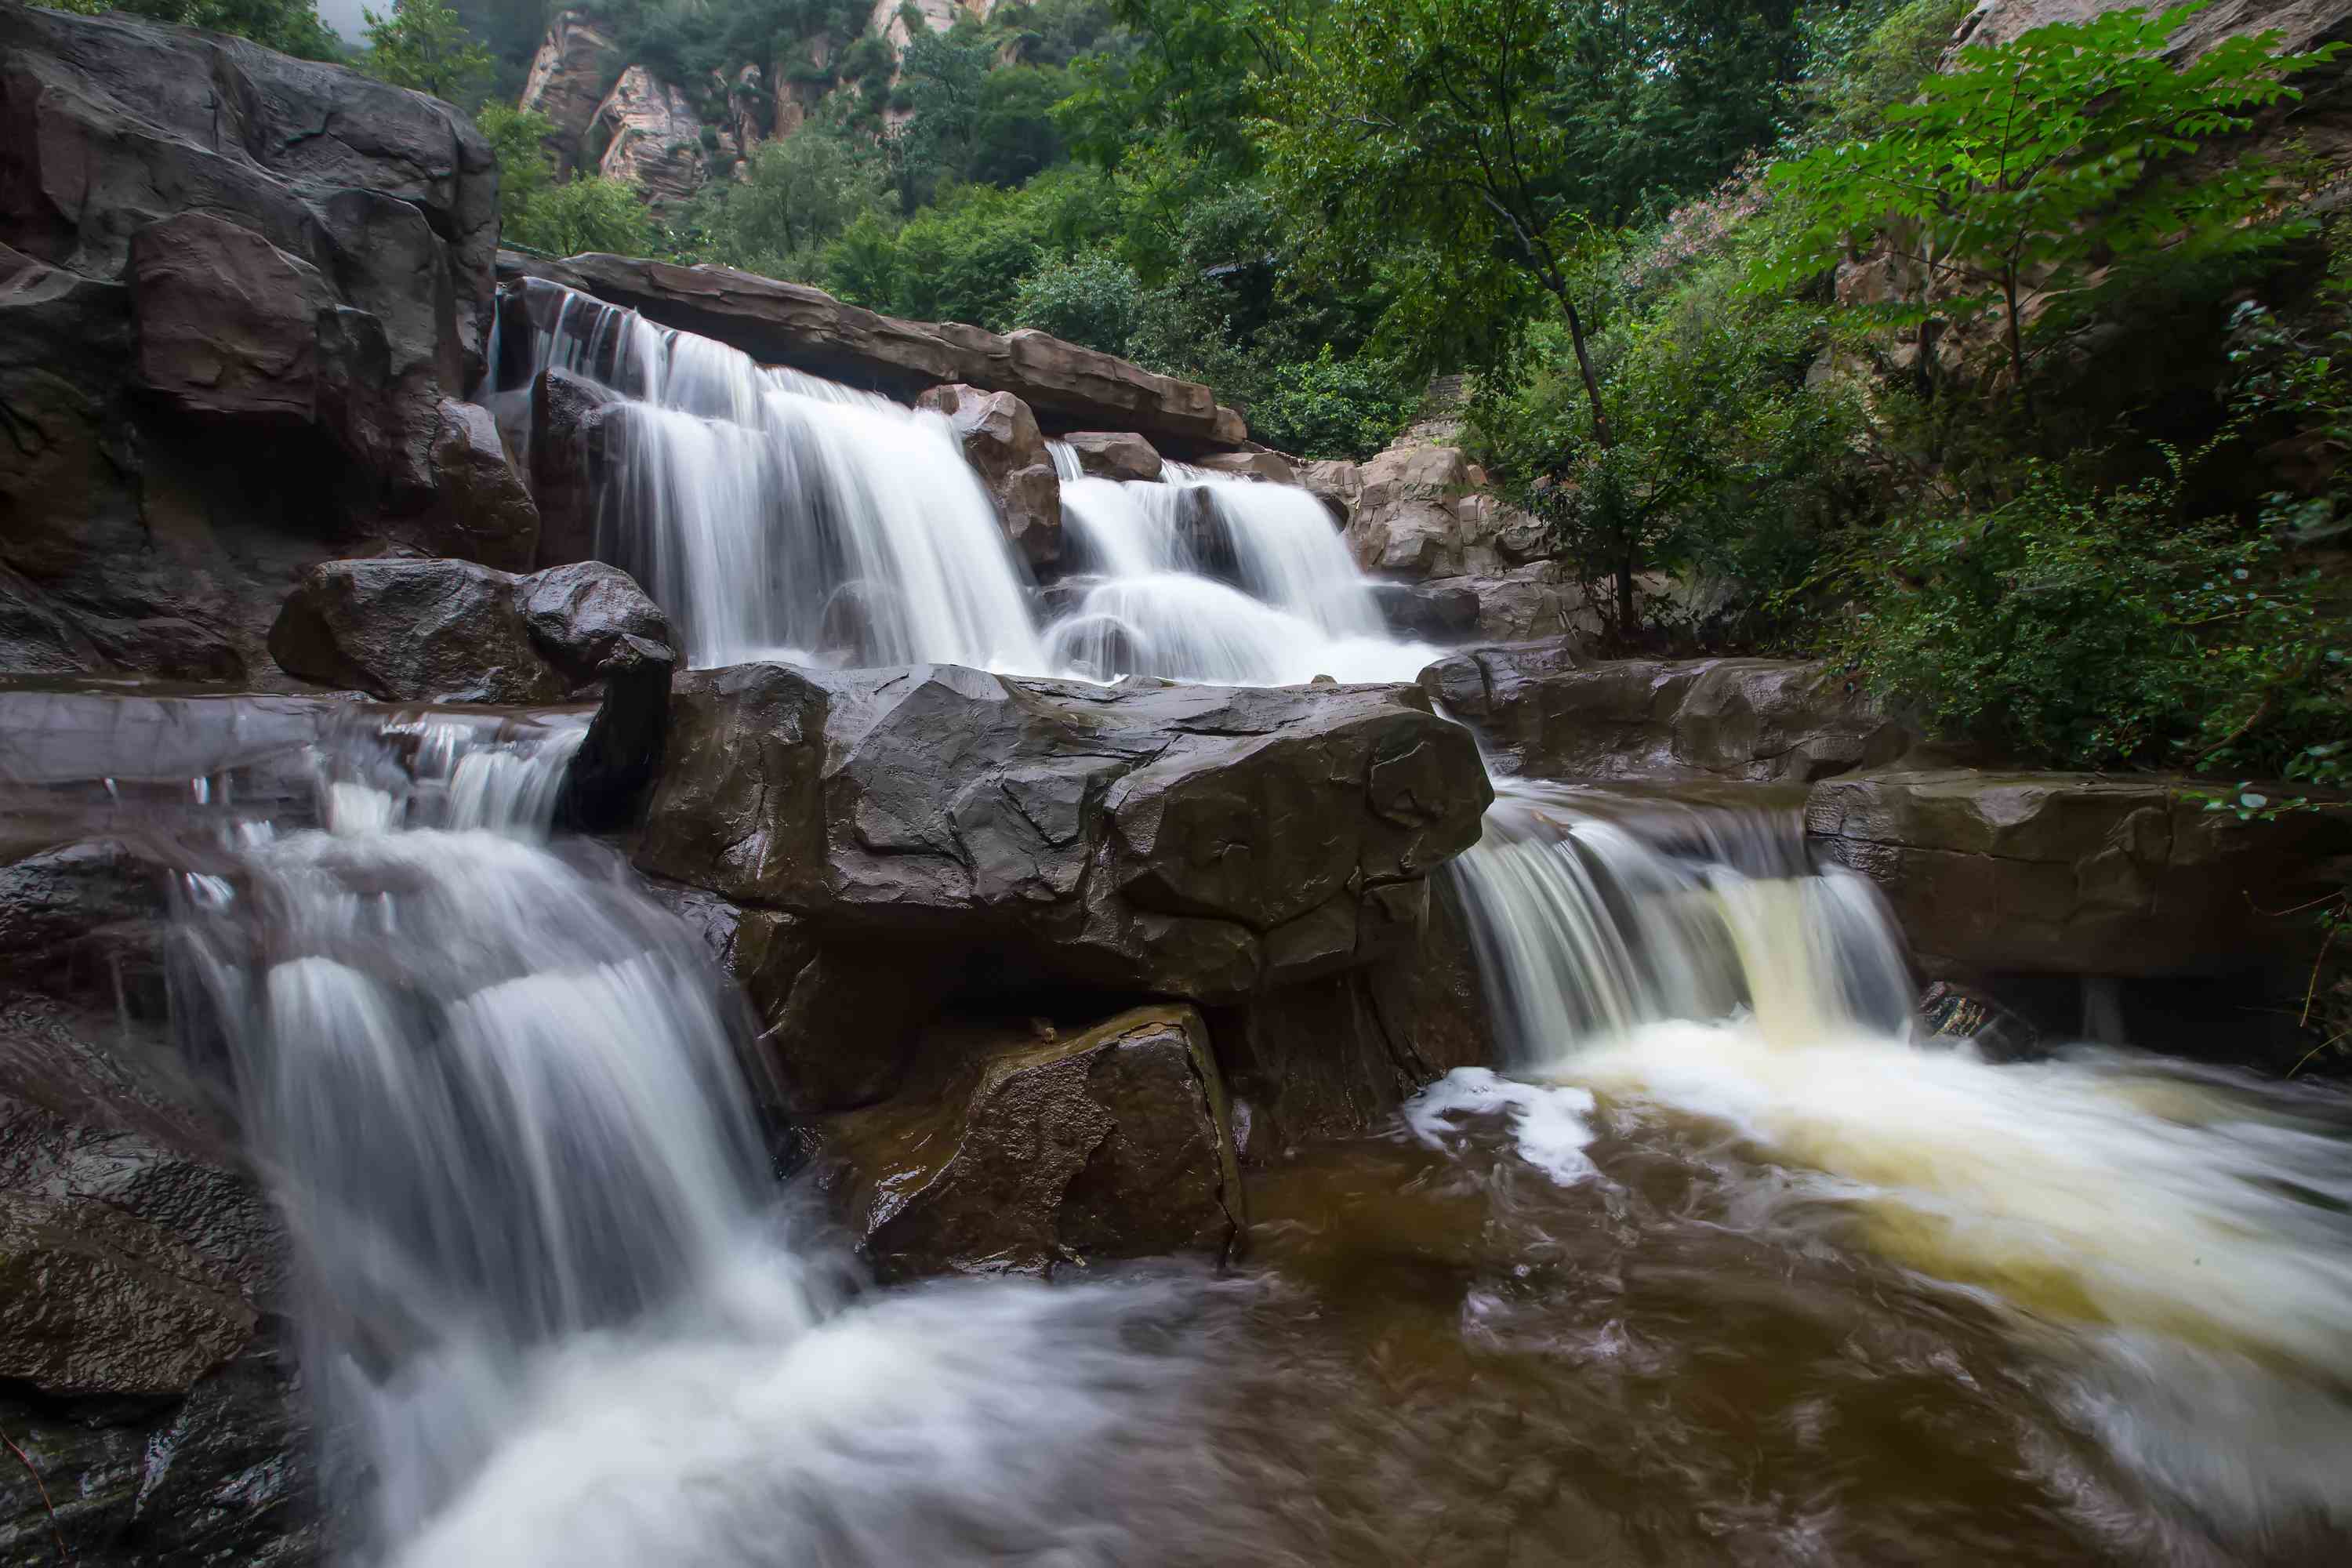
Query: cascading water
[2182,1232]
[553,1313]
[778,515]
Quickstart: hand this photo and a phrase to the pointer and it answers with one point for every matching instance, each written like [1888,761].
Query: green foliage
[1329,407]
[423,46]
[289,27]
[1726,466]
[798,194]
[1092,299]
[518,137]
[2052,164]
[587,214]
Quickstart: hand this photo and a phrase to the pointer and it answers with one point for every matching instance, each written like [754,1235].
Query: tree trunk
[1601,431]
[2016,341]
[1625,596]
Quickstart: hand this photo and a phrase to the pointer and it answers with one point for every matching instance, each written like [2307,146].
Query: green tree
[1095,300]
[423,46]
[2054,165]
[289,27]
[797,193]
[588,215]
[518,137]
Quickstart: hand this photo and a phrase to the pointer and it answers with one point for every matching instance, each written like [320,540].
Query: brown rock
[227,322]
[1271,466]
[1115,455]
[1408,520]
[480,508]
[1001,442]
[572,421]
[653,140]
[1041,1150]
[567,83]
[2075,873]
[1338,483]
[793,324]
[1551,715]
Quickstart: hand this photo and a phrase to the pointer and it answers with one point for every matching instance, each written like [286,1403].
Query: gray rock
[1001,442]
[1115,455]
[1191,841]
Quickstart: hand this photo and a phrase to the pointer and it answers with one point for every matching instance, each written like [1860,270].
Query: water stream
[1721,1266]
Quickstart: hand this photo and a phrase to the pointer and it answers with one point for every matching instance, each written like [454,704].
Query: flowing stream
[1721,1267]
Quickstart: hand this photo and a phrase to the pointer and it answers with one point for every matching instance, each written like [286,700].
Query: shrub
[1094,298]
[1327,408]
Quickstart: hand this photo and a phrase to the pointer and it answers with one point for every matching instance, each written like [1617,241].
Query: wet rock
[572,422]
[793,324]
[1446,610]
[480,508]
[567,83]
[1950,1012]
[1040,1150]
[1406,521]
[1551,713]
[1199,842]
[234,295]
[406,629]
[1336,1058]
[1000,441]
[2075,873]
[1272,468]
[1115,455]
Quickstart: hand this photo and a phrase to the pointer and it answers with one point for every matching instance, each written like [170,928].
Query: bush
[1327,408]
[588,215]
[1094,298]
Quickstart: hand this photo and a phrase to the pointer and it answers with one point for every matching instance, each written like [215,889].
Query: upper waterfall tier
[777,515]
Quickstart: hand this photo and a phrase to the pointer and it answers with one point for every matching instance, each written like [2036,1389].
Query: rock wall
[652,139]
[240,298]
[567,84]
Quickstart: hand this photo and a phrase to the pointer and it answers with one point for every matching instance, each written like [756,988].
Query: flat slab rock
[1551,712]
[2075,873]
[1193,841]
[1041,1149]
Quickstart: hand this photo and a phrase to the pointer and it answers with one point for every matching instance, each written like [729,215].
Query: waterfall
[552,1312]
[778,515]
[2189,1228]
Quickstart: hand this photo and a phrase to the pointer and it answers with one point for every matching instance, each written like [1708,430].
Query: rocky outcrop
[238,294]
[1115,455]
[567,83]
[652,139]
[1547,712]
[2075,873]
[1196,842]
[1000,441]
[1338,483]
[1041,1149]
[1422,513]
[1065,386]
[453,631]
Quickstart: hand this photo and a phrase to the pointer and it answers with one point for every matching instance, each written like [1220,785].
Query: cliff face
[567,83]
[653,139]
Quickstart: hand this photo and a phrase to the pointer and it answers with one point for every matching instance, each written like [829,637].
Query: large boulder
[238,293]
[1338,483]
[567,83]
[1547,712]
[1115,455]
[2077,873]
[1000,441]
[1189,841]
[1272,468]
[1421,511]
[1037,1150]
[453,631]
[1065,386]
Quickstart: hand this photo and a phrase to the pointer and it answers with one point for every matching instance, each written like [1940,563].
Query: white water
[778,515]
[2166,1228]
[552,1312]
